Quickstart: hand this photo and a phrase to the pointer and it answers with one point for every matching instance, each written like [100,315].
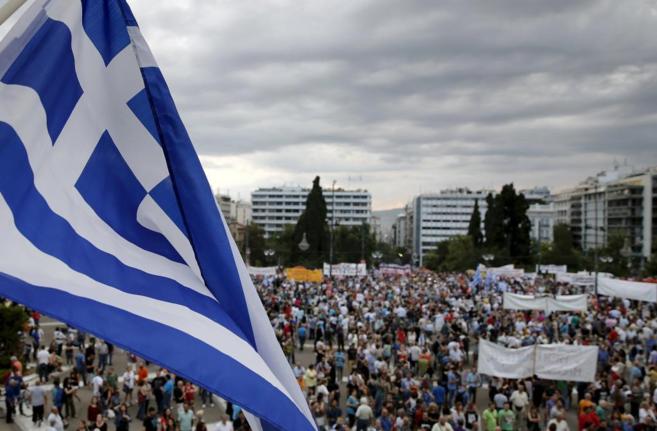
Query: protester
[399,352]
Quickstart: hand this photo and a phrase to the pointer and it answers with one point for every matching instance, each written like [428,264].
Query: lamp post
[604,259]
[269,253]
[304,245]
[377,256]
[331,230]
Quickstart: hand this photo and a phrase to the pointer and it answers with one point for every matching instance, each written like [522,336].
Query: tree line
[506,238]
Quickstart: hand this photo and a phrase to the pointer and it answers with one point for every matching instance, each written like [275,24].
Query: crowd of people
[382,352]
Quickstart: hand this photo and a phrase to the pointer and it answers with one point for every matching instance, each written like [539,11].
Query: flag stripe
[198,207]
[84,221]
[54,235]
[16,250]
[47,65]
[27,117]
[213,370]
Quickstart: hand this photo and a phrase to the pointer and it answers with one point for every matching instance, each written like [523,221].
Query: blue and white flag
[107,221]
[476,279]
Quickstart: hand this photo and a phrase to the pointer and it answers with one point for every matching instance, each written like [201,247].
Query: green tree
[353,243]
[284,245]
[474,228]
[507,225]
[12,319]
[493,223]
[435,259]
[650,270]
[461,254]
[562,250]
[312,222]
[255,244]
[615,250]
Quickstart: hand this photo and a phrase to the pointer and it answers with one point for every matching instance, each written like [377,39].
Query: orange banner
[299,273]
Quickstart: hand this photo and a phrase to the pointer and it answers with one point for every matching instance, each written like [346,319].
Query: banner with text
[393,269]
[566,362]
[346,270]
[567,303]
[498,361]
[627,289]
[552,269]
[299,273]
[514,301]
[547,361]
[264,271]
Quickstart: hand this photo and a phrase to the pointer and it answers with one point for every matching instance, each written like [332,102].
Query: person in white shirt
[560,422]
[54,420]
[97,383]
[43,357]
[224,424]
[442,425]
[128,385]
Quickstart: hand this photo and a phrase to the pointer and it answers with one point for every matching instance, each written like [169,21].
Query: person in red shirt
[142,373]
[190,392]
[588,419]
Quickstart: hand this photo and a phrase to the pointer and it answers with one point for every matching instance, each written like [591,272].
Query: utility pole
[595,250]
[331,230]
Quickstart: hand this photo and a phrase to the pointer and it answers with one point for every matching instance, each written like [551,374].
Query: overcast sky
[406,96]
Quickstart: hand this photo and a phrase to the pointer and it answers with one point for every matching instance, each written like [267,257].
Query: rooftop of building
[299,189]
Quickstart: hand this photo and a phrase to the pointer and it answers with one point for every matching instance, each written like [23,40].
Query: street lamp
[488,258]
[269,253]
[603,259]
[304,245]
[377,256]
[606,259]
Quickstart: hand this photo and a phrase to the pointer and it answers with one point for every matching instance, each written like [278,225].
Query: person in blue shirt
[302,336]
[339,363]
[13,385]
[452,385]
[438,392]
[385,421]
[167,392]
[81,366]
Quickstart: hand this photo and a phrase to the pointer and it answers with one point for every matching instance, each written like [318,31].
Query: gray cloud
[411,95]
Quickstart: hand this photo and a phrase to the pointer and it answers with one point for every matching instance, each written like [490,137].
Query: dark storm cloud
[413,95]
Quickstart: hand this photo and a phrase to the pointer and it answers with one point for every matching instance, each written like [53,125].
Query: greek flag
[107,221]
[476,279]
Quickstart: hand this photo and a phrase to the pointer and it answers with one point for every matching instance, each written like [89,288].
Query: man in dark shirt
[150,421]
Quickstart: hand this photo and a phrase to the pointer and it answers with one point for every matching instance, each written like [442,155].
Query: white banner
[505,271]
[547,361]
[346,270]
[498,361]
[568,303]
[578,279]
[627,289]
[566,362]
[552,269]
[265,270]
[513,301]
[393,269]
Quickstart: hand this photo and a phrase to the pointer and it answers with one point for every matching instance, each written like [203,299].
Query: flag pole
[9,8]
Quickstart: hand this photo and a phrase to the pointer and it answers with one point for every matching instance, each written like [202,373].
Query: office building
[440,216]
[275,207]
